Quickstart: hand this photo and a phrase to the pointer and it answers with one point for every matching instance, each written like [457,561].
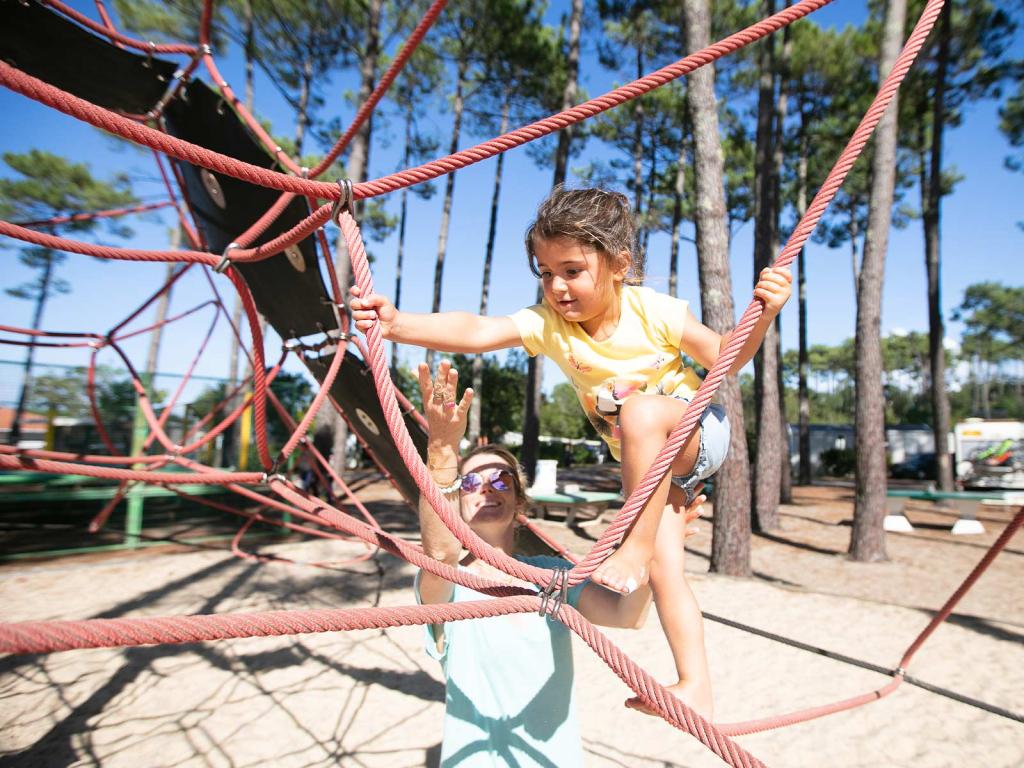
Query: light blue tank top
[509,698]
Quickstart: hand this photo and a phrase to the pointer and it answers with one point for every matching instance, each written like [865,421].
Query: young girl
[619,346]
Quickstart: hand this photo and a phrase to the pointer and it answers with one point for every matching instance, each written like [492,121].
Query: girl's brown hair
[592,216]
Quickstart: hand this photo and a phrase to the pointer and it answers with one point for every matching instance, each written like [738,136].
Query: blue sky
[980,237]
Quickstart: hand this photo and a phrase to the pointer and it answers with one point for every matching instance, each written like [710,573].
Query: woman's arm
[447,425]
[461,332]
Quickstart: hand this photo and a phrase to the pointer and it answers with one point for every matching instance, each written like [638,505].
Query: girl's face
[578,283]
[492,499]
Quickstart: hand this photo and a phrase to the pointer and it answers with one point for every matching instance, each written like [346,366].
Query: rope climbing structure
[290,229]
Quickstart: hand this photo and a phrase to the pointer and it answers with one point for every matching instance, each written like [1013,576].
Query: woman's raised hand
[446,418]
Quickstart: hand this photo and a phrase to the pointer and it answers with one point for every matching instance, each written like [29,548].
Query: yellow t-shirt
[640,357]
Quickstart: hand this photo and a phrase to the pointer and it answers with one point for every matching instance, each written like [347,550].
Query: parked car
[921,466]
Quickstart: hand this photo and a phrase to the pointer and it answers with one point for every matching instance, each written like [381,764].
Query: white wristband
[452,487]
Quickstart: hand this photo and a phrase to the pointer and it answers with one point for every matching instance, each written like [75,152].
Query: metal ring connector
[344,202]
[337,333]
[555,594]
[225,262]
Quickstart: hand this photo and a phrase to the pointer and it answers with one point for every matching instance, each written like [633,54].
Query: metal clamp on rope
[555,594]
[274,473]
[337,333]
[344,202]
[225,262]
[339,311]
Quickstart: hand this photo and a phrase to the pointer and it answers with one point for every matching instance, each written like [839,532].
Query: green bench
[572,501]
[965,503]
[30,489]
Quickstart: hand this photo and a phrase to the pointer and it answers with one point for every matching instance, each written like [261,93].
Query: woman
[509,679]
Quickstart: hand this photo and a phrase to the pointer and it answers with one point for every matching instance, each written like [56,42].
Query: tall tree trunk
[402,218]
[853,230]
[766,390]
[931,218]
[638,142]
[535,365]
[249,32]
[230,435]
[356,168]
[678,190]
[785,467]
[867,540]
[730,544]
[26,379]
[781,109]
[572,68]
[804,393]
[652,175]
[449,193]
[159,315]
[485,286]
[302,118]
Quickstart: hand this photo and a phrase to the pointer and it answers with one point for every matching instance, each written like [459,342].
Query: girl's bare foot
[625,570]
[695,694]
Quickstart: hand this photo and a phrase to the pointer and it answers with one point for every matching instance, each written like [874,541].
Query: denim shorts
[714,447]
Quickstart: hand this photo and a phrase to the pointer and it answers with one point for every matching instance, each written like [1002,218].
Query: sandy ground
[373,698]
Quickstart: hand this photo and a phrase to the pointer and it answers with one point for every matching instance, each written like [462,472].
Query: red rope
[638,498]
[115,36]
[779,721]
[107,22]
[127,631]
[980,568]
[103,251]
[107,120]
[108,214]
[397,65]
[81,109]
[8,461]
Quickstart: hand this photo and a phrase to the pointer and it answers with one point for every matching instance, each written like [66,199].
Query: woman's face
[487,505]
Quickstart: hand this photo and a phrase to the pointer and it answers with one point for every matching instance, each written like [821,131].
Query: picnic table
[573,501]
[965,503]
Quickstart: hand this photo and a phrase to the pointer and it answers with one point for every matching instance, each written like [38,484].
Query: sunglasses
[498,479]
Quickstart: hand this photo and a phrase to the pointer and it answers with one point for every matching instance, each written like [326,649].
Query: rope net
[281,501]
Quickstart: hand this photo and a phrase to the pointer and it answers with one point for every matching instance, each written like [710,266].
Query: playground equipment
[270,246]
[990,453]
